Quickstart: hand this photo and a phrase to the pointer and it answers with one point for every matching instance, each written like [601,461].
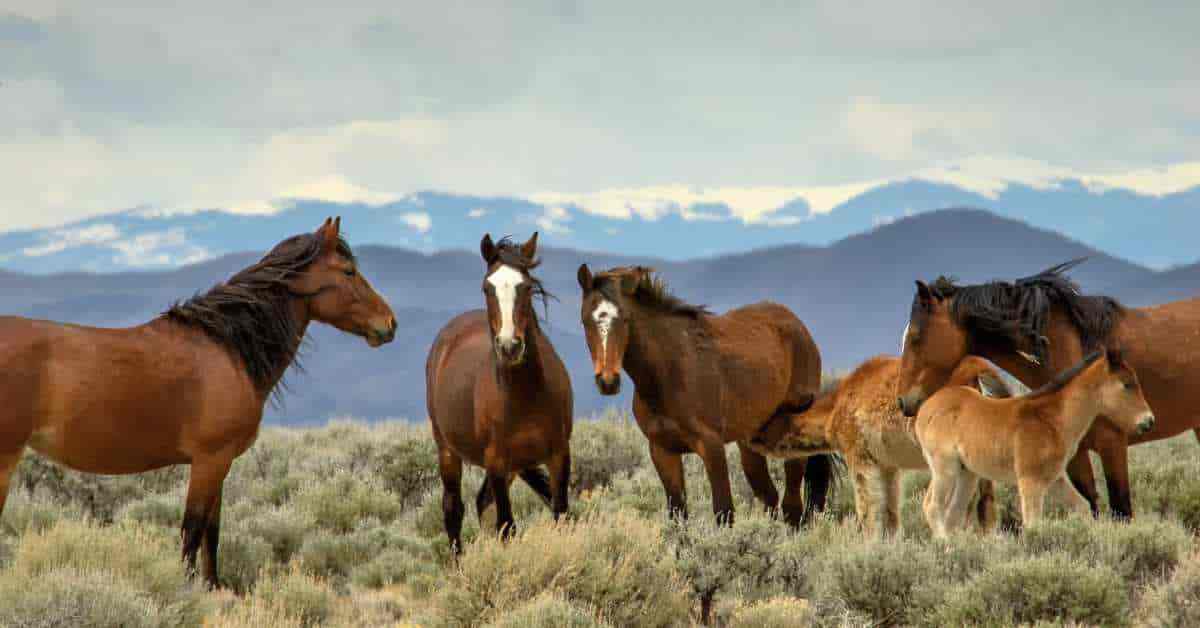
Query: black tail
[821,475]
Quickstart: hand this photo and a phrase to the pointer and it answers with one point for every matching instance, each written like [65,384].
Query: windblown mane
[249,314]
[651,291]
[509,254]
[1065,377]
[1015,313]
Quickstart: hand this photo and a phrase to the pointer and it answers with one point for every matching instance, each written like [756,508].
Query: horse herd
[189,387]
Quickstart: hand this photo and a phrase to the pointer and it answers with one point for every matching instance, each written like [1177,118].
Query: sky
[177,105]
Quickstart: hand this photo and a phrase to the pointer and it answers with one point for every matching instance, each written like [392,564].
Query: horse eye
[350,272]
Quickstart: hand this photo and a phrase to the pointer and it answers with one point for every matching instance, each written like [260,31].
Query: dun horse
[1041,325]
[498,394]
[189,386]
[702,381]
[1026,440]
[859,419]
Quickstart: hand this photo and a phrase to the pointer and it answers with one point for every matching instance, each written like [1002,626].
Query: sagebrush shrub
[340,502]
[780,612]
[1049,587]
[546,611]
[1175,603]
[88,599]
[883,580]
[296,595]
[615,565]
[603,450]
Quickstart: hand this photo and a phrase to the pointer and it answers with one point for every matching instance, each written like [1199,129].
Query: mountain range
[854,294]
[1147,218]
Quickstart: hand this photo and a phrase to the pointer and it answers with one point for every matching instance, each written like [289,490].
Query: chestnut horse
[187,387]
[858,418]
[702,381]
[1024,440]
[498,395]
[1041,325]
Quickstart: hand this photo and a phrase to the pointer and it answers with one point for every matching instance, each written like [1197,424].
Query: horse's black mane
[249,314]
[1015,313]
[509,253]
[1062,379]
[651,291]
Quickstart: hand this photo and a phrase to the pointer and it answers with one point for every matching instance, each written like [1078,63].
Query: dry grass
[341,526]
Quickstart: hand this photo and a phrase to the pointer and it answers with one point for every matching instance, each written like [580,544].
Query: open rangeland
[342,526]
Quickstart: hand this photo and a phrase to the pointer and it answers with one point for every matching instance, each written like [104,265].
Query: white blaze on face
[604,315]
[904,338]
[505,281]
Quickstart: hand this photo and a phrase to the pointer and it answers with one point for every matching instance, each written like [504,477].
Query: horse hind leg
[754,466]
[560,481]
[203,498]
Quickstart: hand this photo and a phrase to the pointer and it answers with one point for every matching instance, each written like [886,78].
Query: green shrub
[614,565]
[341,502]
[284,529]
[406,558]
[546,611]
[784,612]
[67,597]
[1050,587]
[1174,603]
[296,595]
[605,449]
[882,580]
[240,560]
[1136,550]
[156,509]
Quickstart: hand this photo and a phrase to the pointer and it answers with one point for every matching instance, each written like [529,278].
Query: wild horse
[1038,326]
[187,387]
[498,395]
[703,381]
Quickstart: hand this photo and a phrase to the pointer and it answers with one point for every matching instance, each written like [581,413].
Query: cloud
[478,212]
[421,221]
[162,248]
[64,239]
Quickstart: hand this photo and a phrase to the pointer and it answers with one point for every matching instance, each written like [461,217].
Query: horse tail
[821,476]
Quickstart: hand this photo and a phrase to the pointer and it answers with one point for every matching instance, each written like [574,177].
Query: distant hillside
[853,294]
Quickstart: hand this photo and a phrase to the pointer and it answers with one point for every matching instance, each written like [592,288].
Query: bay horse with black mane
[498,395]
[702,381]
[1041,325]
[187,387]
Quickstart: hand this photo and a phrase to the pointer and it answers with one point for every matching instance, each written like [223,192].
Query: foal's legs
[937,496]
[959,508]
[669,466]
[560,481]
[889,500]
[203,498]
[712,452]
[450,468]
[758,475]
[1033,499]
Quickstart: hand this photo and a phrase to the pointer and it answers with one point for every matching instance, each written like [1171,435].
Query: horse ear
[328,233]
[585,277]
[529,249]
[1116,358]
[925,295]
[487,248]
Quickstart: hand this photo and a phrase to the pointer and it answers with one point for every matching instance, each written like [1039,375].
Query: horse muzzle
[380,336]
[608,384]
[510,352]
[1144,425]
[909,404]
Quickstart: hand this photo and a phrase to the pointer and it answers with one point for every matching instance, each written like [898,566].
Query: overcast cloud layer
[187,104]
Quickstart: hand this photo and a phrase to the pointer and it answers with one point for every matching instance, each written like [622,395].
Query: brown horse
[703,381]
[498,394]
[858,418]
[189,386]
[1024,440]
[1041,325]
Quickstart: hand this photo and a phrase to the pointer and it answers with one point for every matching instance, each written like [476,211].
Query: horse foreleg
[754,466]
[1079,470]
[794,512]
[8,464]
[560,481]
[450,470]
[669,466]
[497,480]
[1033,500]
[212,537]
[203,495]
[712,452]
[1112,446]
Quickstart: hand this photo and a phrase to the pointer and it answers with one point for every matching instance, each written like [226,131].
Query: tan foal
[1027,440]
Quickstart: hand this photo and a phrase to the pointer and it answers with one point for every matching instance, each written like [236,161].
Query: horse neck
[298,310]
[524,381]
[1077,404]
[1064,350]
[654,338]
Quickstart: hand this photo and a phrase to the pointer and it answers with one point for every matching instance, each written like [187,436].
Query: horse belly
[896,448]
